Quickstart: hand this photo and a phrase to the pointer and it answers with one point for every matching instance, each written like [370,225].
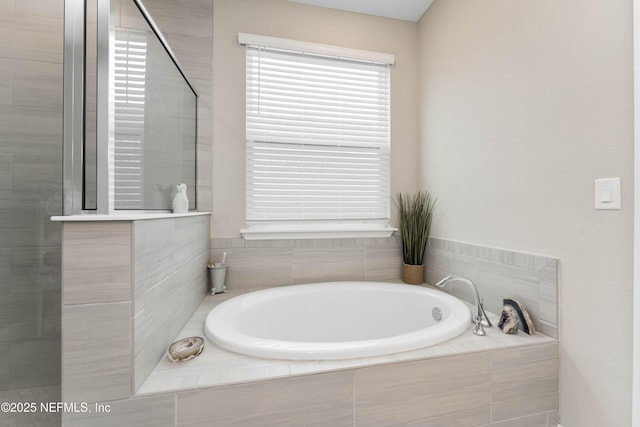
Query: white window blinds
[317,130]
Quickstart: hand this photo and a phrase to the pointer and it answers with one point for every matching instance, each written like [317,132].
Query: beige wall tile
[165,310]
[382,263]
[27,36]
[6,168]
[438,264]
[20,135]
[537,420]
[254,268]
[155,411]
[35,269]
[524,381]
[499,274]
[549,293]
[167,297]
[36,177]
[6,81]
[312,400]
[17,317]
[527,353]
[159,251]
[51,8]
[191,238]
[138,263]
[321,264]
[451,391]
[97,262]
[96,345]
[37,84]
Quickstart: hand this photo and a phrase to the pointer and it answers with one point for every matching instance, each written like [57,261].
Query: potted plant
[415,213]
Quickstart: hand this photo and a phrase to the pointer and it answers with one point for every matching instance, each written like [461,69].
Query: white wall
[522,105]
[281,18]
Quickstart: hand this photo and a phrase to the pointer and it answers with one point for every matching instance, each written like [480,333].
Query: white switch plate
[607,193]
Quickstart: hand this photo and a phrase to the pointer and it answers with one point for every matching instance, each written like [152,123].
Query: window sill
[280,232]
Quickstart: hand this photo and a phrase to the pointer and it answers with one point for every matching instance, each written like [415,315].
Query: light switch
[607,193]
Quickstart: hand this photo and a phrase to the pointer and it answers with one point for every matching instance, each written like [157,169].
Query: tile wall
[134,302]
[498,274]
[265,263]
[170,281]
[31,44]
[31,75]
[512,387]
[501,387]
[129,288]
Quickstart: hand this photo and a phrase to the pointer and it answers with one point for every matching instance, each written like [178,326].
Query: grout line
[175,409]
[353,399]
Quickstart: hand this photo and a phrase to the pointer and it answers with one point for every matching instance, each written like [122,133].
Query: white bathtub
[337,320]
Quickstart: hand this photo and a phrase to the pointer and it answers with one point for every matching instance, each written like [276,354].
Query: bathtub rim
[302,350]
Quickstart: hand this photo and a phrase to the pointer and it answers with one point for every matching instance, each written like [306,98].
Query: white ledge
[123,216]
[279,232]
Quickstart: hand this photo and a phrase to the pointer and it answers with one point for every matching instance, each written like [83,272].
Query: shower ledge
[134,216]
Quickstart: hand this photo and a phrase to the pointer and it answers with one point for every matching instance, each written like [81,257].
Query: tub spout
[480,320]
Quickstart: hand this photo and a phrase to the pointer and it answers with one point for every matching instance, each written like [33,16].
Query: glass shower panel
[150,145]
[31,87]
[155,119]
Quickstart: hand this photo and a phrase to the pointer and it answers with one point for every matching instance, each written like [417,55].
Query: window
[317,140]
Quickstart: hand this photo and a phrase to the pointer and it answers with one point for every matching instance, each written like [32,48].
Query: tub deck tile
[217,366]
[315,400]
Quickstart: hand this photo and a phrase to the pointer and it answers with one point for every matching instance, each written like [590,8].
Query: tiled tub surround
[497,380]
[129,287]
[170,281]
[468,381]
[263,263]
[498,274]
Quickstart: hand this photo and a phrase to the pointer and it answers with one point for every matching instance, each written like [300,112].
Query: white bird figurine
[180,200]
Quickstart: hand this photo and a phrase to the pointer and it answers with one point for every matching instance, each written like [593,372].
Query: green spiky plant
[415,214]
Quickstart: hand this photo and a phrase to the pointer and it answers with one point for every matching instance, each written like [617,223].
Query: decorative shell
[185,349]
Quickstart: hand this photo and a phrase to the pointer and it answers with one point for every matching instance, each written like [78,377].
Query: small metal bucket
[217,278]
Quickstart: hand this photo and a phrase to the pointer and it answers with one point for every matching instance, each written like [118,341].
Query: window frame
[316,228]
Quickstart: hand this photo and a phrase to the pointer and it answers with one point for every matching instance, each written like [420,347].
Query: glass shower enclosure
[96,116]
[31,57]
[130,132]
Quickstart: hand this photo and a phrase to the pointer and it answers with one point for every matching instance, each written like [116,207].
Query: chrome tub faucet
[480,320]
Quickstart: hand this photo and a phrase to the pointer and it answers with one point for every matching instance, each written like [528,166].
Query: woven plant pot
[413,274]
